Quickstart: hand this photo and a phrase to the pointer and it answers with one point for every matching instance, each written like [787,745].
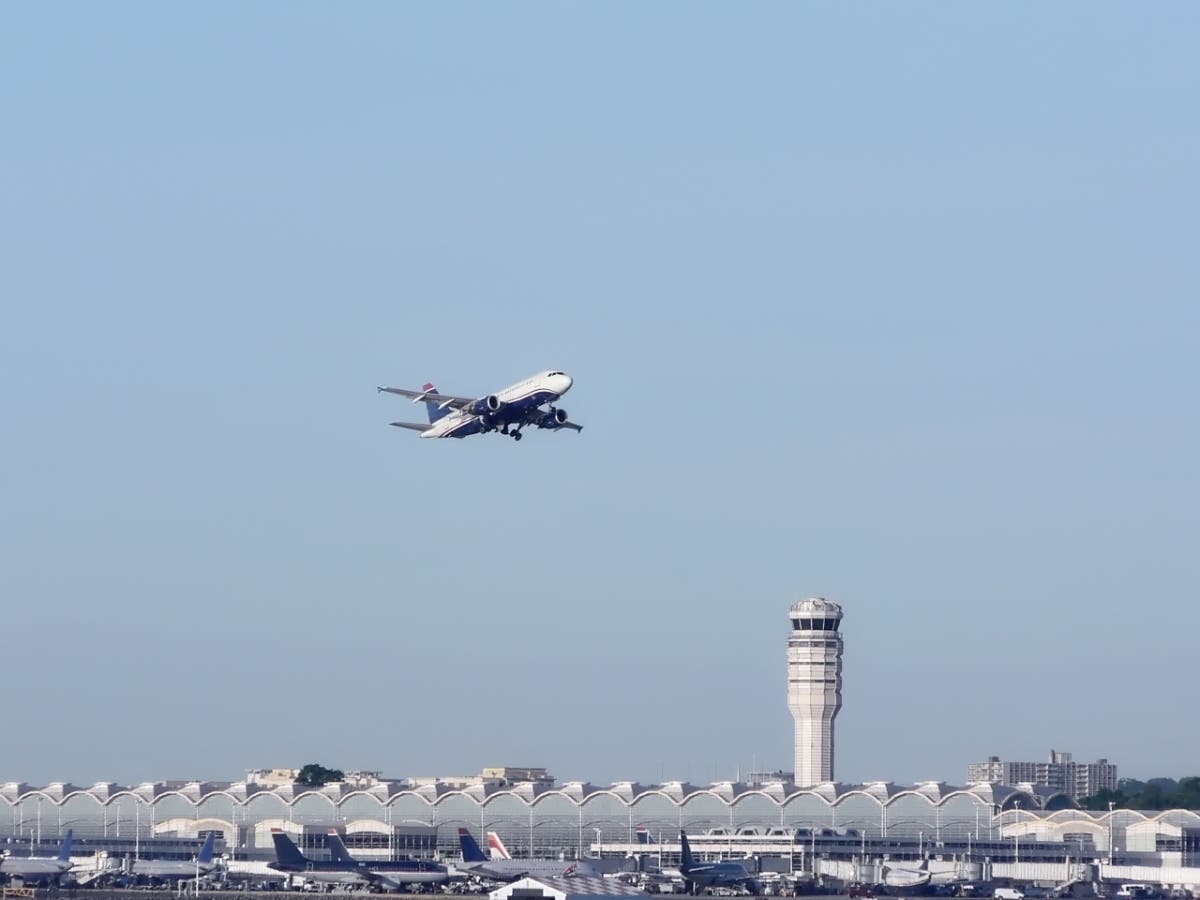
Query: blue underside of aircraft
[510,414]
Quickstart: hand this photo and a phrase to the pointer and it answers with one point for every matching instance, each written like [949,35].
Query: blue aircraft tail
[686,862]
[470,849]
[337,849]
[434,406]
[64,852]
[287,853]
[206,849]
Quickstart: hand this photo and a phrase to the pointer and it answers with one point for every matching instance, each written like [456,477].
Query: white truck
[1009,893]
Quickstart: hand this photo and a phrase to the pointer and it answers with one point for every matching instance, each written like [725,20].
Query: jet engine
[489,404]
[553,419]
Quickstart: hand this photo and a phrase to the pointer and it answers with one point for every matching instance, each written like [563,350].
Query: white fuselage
[169,868]
[33,867]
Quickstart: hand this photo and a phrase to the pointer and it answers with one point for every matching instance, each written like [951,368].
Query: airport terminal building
[776,818]
[399,818]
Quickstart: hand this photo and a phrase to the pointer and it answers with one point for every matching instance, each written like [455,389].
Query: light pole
[1110,833]
[1016,833]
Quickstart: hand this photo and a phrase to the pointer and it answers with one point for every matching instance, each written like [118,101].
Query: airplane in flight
[503,869]
[507,411]
[701,875]
[39,868]
[168,869]
[290,861]
[389,875]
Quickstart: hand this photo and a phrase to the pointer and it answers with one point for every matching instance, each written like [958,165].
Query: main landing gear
[514,433]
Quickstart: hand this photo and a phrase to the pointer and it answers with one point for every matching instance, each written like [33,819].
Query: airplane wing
[415,426]
[446,400]
[536,415]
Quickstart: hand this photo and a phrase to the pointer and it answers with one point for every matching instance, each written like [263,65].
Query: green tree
[316,775]
[1155,794]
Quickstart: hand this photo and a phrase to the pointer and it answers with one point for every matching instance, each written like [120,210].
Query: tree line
[1156,793]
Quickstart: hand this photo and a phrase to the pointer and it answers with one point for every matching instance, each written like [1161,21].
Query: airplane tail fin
[470,849]
[496,846]
[436,411]
[206,850]
[686,862]
[64,852]
[286,852]
[337,849]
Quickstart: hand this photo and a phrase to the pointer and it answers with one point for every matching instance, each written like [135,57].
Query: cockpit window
[552,374]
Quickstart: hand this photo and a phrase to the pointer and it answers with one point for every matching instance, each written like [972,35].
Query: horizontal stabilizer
[414,426]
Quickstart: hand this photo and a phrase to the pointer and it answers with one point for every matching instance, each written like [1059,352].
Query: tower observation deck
[814,657]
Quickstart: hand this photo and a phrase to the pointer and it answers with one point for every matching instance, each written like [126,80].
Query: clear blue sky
[892,303]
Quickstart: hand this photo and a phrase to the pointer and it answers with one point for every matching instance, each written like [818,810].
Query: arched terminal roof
[1000,797]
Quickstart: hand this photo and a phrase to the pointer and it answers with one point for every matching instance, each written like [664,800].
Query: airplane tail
[436,411]
[686,862]
[496,846]
[206,850]
[337,849]
[287,853]
[470,849]
[64,852]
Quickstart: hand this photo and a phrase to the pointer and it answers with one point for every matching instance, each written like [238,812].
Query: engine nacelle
[555,418]
[489,404]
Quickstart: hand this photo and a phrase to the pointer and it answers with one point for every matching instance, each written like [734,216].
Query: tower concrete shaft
[814,685]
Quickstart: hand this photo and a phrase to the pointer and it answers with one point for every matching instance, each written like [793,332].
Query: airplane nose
[565,382]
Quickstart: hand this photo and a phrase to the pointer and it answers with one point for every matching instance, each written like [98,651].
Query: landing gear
[516,435]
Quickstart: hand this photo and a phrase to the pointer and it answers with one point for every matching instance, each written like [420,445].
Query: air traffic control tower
[814,685]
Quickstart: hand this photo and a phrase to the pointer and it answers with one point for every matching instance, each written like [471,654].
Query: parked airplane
[898,877]
[700,875]
[39,868]
[506,411]
[291,861]
[167,869]
[476,863]
[919,876]
[653,870]
[390,875]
